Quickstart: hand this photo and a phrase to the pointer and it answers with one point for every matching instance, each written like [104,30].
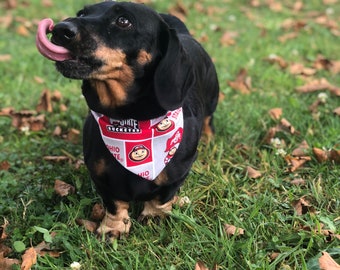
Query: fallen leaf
[317,85]
[45,103]
[242,82]
[57,131]
[29,259]
[326,262]
[11,4]
[56,96]
[90,226]
[200,266]
[295,163]
[293,24]
[22,31]
[5,57]
[275,113]
[300,69]
[302,206]
[63,189]
[301,150]
[273,58]
[320,154]
[3,227]
[232,230]
[4,165]
[98,212]
[228,38]
[283,38]
[285,125]
[337,111]
[298,182]
[252,173]
[73,135]
[7,263]
[179,10]
[6,20]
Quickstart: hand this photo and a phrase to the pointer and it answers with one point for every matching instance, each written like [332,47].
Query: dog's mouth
[46,47]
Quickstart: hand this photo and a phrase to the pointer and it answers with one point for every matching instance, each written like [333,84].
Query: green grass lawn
[276,235]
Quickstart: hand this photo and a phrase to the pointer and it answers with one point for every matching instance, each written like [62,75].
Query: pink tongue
[45,47]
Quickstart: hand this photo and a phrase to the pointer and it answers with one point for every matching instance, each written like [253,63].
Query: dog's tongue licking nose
[44,45]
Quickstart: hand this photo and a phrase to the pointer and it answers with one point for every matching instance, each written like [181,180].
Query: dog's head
[127,53]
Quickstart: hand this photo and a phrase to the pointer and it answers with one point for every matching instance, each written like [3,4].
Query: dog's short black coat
[137,64]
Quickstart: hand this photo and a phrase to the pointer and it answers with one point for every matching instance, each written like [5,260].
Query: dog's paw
[114,226]
[155,211]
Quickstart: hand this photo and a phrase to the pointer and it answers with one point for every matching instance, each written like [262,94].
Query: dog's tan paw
[115,226]
[153,209]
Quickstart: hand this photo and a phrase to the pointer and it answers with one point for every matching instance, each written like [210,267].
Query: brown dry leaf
[298,6]
[56,96]
[232,230]
[302,206]
[6,20]
[27,120]
[287,36]
[73,135]
[299,69]
[317,85]
[5,57]
[295,163]
[200,266]
[47,3]
[57,131]
[275,6]
[242,82]
[301,150]
[320,154]
[334,155]
[323,63]
[98,212]
[63,107]
[285,125]
[252,173]
[275,113]
[3,227]
[326,262]
[179,10]
[293,24]
[90,226]
[29,259]
[270,135]
[276,59]
[22,31]
[10,4]
[298,182]
[4,165]
[337,111]
[228,38]
[45,103]
[7,263]
[324,20]
[63,189]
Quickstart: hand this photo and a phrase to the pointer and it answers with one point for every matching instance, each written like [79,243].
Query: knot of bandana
[142,147]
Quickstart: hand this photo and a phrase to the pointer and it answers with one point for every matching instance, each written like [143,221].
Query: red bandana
[142,147]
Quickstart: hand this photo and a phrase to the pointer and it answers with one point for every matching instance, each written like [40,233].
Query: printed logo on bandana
[143,147]
[126,126]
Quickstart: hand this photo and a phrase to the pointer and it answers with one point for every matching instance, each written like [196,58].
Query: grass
[219,190]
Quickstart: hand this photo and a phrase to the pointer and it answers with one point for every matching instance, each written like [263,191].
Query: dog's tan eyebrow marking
[113,78]
[144,57]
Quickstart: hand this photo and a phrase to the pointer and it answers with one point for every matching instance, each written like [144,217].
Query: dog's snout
[64,33]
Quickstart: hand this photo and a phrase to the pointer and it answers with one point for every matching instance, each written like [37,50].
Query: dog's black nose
[64,33]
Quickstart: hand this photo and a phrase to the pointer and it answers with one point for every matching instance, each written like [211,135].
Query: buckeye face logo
[164,125]
[139,153]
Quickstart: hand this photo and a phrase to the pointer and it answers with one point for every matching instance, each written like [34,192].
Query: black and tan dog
[151,89]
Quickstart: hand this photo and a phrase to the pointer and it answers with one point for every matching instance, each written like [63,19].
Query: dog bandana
[142,147]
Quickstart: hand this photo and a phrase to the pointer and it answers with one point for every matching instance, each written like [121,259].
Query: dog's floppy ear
[174,74]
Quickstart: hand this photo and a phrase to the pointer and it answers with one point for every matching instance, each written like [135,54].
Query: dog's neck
[147,106]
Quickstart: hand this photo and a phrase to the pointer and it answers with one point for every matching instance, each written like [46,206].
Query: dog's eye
[81,13]
[123,22]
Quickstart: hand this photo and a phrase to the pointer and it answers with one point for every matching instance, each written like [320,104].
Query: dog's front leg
[115,225]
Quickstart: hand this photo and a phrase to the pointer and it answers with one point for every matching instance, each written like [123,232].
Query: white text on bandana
[142,147]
